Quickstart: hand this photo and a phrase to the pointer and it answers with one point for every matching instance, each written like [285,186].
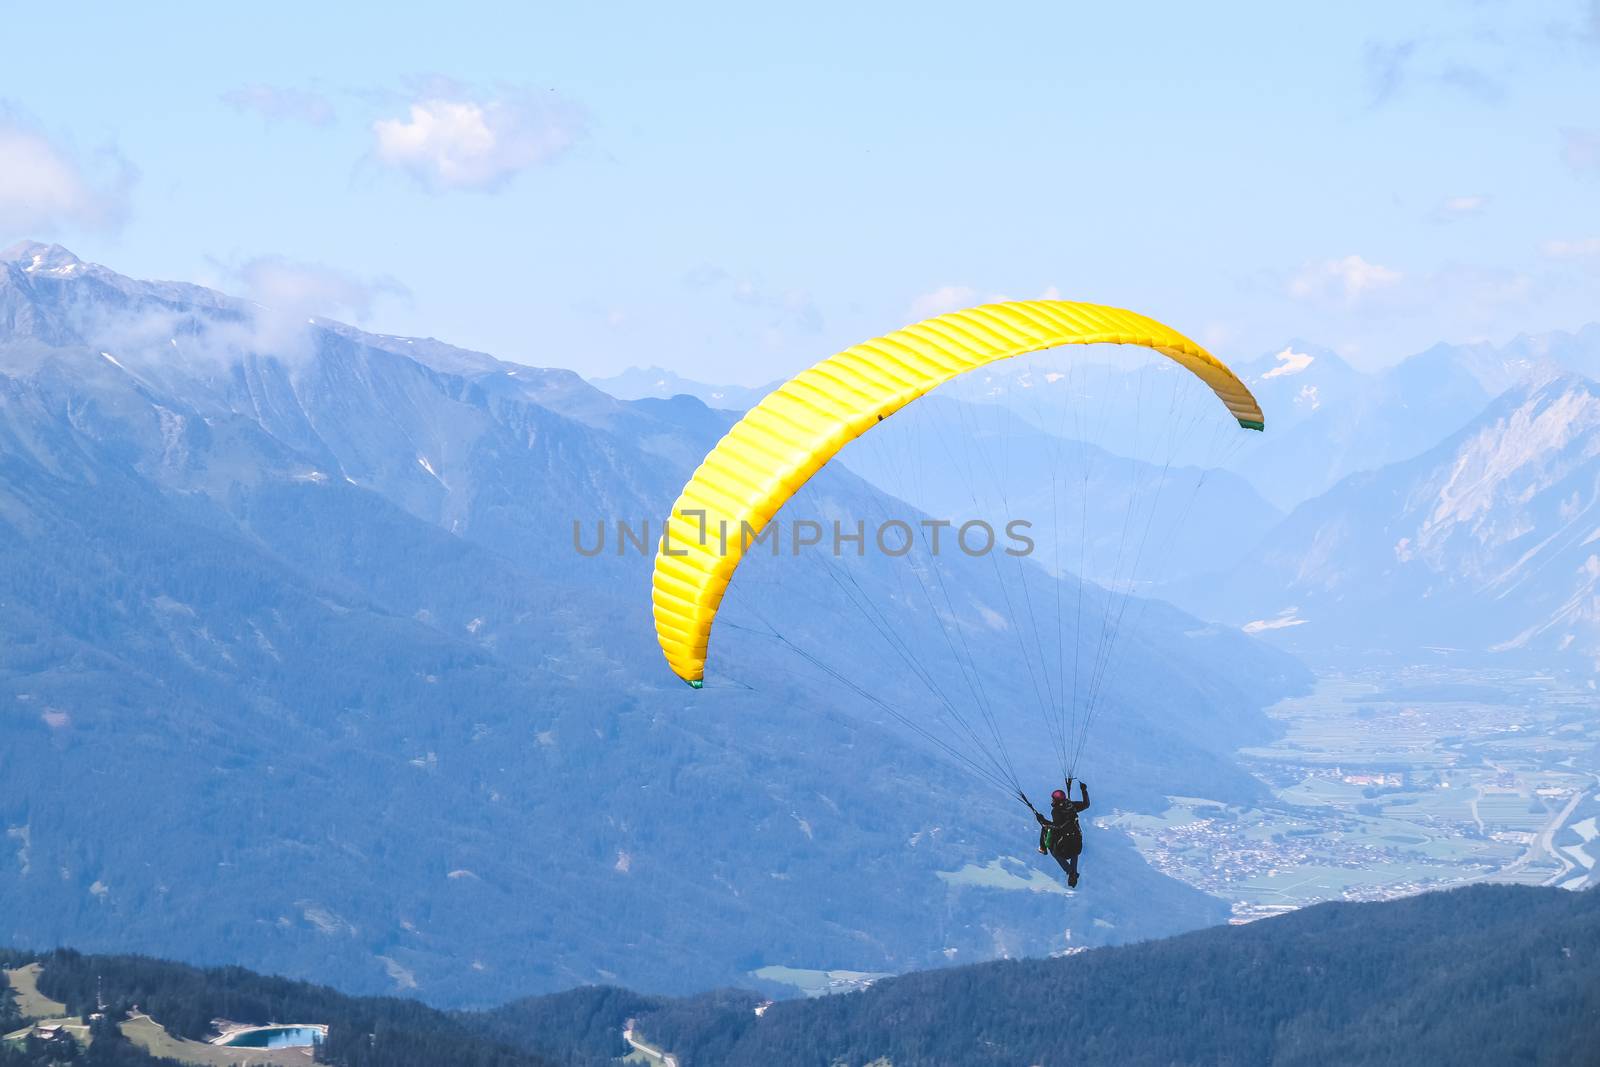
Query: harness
[1069,831]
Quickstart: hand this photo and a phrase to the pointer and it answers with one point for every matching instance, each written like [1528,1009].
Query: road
[1542,845]
[1547,839]
[666,1059]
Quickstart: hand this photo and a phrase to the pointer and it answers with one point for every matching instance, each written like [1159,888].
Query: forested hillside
[362,1032]
[1489,974]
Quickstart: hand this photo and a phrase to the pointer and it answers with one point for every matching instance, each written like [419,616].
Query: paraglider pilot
[1060,835]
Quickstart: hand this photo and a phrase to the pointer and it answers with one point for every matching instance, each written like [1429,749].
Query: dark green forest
[1487,974]
[579,1028]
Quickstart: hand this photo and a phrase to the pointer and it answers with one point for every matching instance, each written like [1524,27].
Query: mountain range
[1485,543]
[1326,419]
[1439,504]
[302,669]
[658,383]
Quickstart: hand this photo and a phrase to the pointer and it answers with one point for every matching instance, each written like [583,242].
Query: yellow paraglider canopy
[781,442]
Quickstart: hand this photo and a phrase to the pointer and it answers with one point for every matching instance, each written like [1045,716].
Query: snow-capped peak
[38,258]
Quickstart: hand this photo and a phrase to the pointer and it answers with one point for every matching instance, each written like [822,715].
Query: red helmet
[1058,795]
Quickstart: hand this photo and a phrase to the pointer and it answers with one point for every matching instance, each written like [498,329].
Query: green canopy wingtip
[696,683]
[1252,425]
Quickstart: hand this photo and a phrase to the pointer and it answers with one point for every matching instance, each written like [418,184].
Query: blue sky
[735,193]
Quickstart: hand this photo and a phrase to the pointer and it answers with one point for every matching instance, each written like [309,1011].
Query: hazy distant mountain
[1325,419]
[1049,477]
[1087,508]
[1526,353]
[299,667]
[1485,542]
[640,383]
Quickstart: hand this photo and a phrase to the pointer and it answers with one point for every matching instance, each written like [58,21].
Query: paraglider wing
[781,442]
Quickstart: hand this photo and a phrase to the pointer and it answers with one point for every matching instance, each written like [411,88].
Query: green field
[154,1039]
[818,983]
[32,1003]
[1005,873]
[1389,782]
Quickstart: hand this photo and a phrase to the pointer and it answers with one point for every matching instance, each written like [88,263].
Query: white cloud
[140,336]
[45,188]
[1217,335]
[790,312]
[276,103]
[1387,67]
[450,140]
[1476,291]
[1589,23]
[1580,248]
[1474,81]
[1351,277]
[1282,621]
[1460,207]
[944,299]
[802,313]
[1580,150]
[703,275]
[313,288]
[1478,62]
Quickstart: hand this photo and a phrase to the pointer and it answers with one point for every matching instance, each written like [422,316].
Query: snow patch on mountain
[1533,442]
[1290,362]
[1282,621]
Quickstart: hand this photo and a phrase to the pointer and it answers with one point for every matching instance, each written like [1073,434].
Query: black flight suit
[1061,836]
